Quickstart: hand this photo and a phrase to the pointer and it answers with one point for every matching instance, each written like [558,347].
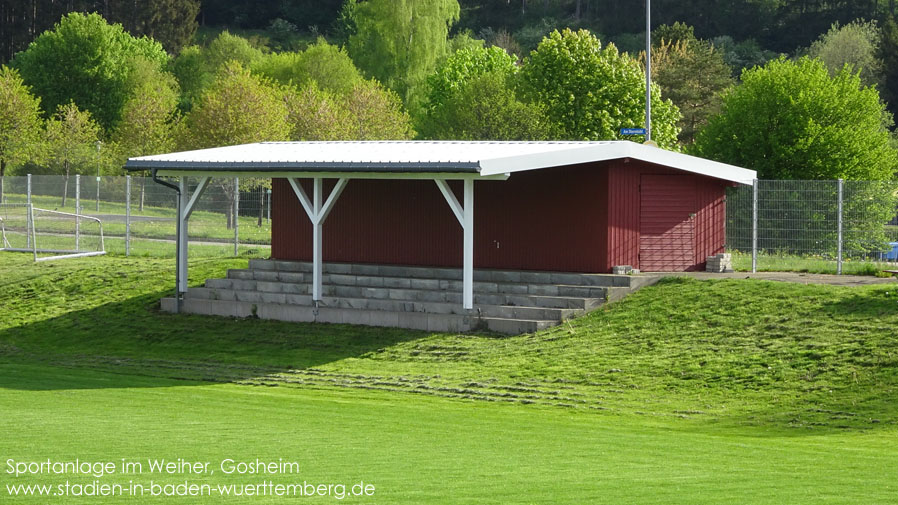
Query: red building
[553,206]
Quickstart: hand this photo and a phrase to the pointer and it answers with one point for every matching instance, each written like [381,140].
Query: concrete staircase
[422,298]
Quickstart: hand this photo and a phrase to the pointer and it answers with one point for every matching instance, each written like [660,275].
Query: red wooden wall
[582,218]
[537,220]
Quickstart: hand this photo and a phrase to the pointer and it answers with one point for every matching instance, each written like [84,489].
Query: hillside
[736,352]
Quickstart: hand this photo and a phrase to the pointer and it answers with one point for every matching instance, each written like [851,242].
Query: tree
[400,42]
[238,108]
[169,22]
[485,107]
[72,137]
[20,121]
[86,61]
[792,120]
[376,113]
[855,45]
[461,67]
[692,74]
[887,53]
[315,114]
[149,118]
[329,66]
[591,92]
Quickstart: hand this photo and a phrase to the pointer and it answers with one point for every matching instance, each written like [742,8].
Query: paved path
[804,278]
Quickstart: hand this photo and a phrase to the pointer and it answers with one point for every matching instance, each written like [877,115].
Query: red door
[667,223]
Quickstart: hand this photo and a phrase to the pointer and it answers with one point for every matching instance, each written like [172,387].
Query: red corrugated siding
[667,215]
[624,213]
[541,220]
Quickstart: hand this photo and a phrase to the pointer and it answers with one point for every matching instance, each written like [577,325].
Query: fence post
[839,253]
[754,226]
[28,224]
[77,212]
[127,215]
[236,214]
[268,192]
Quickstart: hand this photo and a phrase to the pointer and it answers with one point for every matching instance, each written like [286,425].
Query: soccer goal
[49,234]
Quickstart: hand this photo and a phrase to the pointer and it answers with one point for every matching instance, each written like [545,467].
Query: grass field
[733,391]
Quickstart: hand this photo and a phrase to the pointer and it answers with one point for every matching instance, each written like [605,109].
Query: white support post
[317,212]
[469,245]
[317,267]
[77,212]
[754,226]
[183,238]
[28,218]
[127,215]
[840,225]
[465,216]
[236,216]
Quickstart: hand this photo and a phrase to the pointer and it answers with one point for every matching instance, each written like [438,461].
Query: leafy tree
[485,107]
[792,120]
[692,74]
[673,33]
[20,121]
[742,55]
[400,42]
[591,92]
[149,118]
[169,22]
[854,44]
[72,137]
[226,47]
[327,65]
[376,113]
[315,114]
[462,66]
[887,53]
[238,108]
[86,61]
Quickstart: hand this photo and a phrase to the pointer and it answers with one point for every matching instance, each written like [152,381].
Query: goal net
[49,234]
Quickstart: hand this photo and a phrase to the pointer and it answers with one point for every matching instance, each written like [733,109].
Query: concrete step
[387,304]
[409,295]
[484,275]
[412,320]
[268,276]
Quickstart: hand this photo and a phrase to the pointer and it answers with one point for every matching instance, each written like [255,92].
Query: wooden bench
[893,272]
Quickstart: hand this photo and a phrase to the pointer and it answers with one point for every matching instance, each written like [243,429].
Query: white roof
[482,158]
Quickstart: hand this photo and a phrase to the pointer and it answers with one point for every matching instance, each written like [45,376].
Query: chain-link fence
[815,226]
[139,216]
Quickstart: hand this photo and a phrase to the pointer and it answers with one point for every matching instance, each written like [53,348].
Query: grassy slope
[786,392]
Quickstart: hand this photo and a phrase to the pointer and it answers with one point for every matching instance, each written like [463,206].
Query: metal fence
[139,216]
[818,226]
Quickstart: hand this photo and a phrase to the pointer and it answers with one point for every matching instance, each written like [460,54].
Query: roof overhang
[417,159]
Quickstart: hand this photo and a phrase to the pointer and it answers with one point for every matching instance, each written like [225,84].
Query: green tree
[327,65]
[376,113]
[792,120]
[461,67]
[72,137]
[673,33]
[485,107]
[20,121]
[315,114]
[692,74]
[169,22]
[854,44]
[887,53]
[238,108]
[86,61]
[400,42]
[149,118]
[591,92]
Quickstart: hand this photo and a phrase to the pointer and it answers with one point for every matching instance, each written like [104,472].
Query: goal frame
[31,233]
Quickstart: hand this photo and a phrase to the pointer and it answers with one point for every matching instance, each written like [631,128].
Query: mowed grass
[685,392]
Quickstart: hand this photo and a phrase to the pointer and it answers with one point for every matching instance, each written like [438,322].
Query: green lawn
[733,391]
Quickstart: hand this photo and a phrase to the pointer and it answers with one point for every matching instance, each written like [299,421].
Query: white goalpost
[49,234]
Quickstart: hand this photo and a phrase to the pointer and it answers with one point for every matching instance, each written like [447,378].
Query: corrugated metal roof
[390,157]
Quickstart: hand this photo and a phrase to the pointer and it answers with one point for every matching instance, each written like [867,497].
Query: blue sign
[632,131]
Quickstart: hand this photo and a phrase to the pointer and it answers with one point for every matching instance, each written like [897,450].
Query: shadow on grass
[133,337]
